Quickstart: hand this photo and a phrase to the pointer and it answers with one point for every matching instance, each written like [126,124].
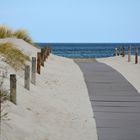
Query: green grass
[13,56]
[6,32]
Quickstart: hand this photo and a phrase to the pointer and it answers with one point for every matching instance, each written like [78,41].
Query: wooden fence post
[27,77]
[123,52]
[42,56]
[33,76]
[38,62]
[129,54]
[45,54]
[120,50]
[13,88]
[48,52]
[116,51]
[136,55]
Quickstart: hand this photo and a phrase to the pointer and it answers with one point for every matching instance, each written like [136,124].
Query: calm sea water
[87,50]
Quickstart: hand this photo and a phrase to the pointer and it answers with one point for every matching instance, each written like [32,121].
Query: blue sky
[74,20]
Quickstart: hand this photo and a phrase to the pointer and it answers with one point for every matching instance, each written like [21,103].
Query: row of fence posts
[122,52]
[35,68]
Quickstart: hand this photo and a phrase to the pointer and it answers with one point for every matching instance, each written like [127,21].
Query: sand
[129,70]
[57,108]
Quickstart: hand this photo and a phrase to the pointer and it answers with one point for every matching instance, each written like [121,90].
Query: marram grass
[4,95]
[6,32]
[13,56]
[23,34]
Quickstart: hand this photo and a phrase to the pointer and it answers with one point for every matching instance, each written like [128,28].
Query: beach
[56,108]
[70,70]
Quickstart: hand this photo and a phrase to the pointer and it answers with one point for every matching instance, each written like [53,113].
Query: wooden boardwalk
[115,102]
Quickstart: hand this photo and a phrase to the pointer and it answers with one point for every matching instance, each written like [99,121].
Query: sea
[88,50]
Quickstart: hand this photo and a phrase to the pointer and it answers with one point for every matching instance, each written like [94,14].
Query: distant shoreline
[87,50]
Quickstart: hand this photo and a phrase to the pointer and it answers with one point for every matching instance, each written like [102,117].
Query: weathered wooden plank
[13,92]
[27,77]
[33,75]
[115,102]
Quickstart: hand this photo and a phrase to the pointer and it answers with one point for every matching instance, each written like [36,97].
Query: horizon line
[89,42]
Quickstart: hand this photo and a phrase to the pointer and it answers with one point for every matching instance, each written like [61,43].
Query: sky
[85,21]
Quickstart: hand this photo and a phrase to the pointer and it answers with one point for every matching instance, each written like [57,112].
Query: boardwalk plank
[115,102]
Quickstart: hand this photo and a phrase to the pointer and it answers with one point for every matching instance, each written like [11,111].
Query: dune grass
[6,32]
[23,34]
[13,56]
[4,95]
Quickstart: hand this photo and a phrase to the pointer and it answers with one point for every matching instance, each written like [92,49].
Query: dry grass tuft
[23,34]
[6,32]
[13,56]
[4,95]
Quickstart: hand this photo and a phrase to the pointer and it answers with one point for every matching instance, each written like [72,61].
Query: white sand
[57,108]
[129,70]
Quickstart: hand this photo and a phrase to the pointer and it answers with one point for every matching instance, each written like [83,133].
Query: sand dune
[57,108]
